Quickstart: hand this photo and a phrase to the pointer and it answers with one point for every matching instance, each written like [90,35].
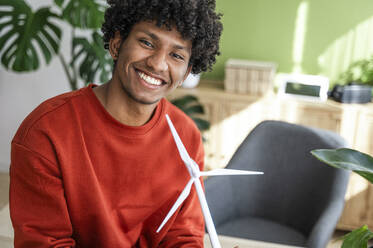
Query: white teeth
[149,79]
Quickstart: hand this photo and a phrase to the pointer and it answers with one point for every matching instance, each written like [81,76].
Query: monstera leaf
[92,58]
[21,29]
[348,159]
[361,164]
[83,13]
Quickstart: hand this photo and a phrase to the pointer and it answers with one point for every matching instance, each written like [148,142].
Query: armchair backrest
[295,187]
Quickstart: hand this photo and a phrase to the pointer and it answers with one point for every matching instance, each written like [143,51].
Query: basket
[249,77]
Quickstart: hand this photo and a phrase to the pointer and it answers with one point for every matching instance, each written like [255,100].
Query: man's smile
[150,79]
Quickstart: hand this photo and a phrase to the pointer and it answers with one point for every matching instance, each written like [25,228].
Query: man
[98,167]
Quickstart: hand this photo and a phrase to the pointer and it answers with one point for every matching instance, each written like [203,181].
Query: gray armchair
[297,201]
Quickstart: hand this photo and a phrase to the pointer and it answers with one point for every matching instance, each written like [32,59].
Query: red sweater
[79,178]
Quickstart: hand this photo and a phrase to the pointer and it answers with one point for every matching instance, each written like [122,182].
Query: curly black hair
[196,20]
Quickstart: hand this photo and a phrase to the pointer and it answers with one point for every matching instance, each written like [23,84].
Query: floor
[6,233]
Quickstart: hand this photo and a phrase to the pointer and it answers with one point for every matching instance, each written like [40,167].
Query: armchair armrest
[325,225]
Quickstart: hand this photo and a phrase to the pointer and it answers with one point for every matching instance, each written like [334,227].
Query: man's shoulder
[46,112]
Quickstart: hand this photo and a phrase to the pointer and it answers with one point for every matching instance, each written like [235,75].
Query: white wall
[21,93]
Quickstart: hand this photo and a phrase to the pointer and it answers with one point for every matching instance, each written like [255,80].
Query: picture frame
[304,87]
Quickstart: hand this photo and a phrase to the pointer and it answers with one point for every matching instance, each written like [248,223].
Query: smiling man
[98,167]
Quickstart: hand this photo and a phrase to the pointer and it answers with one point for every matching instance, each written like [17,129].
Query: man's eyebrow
[155,37]
[179,47]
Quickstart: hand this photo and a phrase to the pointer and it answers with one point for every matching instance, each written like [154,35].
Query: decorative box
[249,77]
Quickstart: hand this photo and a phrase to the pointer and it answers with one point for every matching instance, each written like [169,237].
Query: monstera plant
[361,164]
[28,35]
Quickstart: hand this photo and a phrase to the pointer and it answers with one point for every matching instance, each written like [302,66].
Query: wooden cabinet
[364,135]
[233,116]
[359,197]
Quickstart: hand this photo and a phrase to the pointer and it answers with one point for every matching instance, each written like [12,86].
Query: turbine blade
[184,194]
[207,215]
[183,152]
[222,172]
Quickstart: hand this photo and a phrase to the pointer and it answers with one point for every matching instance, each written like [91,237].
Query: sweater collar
[124,129]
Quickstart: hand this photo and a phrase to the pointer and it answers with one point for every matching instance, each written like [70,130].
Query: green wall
[336,33]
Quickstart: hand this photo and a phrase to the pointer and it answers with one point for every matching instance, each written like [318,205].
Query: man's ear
[186,74]
[114,45]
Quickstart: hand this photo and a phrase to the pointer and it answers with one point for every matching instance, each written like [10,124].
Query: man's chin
[139,99]
[144,100]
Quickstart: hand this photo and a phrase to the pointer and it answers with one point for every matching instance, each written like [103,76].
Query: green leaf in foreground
[358,238]
[348,159]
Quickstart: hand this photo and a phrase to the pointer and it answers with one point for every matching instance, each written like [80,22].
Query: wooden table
[231,242]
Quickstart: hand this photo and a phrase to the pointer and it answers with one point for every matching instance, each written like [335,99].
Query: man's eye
[146,43]
[177,56]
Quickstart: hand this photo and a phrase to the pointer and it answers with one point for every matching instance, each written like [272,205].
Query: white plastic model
[195,175]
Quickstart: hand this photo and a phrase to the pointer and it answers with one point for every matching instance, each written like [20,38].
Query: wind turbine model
[195,174]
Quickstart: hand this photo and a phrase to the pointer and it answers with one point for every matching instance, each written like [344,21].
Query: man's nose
[158,61]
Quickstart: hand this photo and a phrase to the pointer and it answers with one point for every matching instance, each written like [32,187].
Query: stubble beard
[130,94]
[133,97]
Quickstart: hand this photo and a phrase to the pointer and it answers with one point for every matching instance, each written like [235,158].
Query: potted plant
[189,104]
[360,72]
[25,28]
[361,164]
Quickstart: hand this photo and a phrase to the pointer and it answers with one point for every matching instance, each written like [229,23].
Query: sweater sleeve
[38,207]
[188,229]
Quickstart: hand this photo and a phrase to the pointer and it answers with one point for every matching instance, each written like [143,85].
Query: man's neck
[122,107]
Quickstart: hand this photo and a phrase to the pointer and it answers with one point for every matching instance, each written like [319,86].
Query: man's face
[151,62]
